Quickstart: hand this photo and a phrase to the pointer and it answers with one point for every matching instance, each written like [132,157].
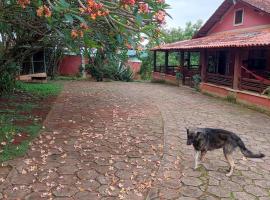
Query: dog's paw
[229,174]
[196,167]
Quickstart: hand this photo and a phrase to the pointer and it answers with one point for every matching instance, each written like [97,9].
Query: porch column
[155,61]
[203,63]
[182,65]
[182,59]
[189,60]
[237,69]
[166,61]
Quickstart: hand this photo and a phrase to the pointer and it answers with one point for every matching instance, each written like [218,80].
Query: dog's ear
[187,130]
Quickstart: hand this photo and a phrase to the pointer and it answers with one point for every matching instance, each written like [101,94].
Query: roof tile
[249,38]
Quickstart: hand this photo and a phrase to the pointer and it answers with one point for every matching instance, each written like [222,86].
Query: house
[231,52]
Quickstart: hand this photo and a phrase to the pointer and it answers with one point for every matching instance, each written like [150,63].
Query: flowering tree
[111,24]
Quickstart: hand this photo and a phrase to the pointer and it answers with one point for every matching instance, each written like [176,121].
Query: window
[238,17]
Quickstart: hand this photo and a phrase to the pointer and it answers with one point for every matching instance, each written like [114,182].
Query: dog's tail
[246,152]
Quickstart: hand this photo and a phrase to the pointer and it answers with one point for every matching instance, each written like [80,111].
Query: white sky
[183,11]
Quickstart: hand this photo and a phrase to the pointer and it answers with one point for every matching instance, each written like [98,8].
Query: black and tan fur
[208,139]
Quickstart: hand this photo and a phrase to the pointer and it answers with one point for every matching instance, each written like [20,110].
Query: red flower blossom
[143,8]
[23,3]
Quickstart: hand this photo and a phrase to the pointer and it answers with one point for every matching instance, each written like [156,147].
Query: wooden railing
[219,79]
[252,85]
[171,70]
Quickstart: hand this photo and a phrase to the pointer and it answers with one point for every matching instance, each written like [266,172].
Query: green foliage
[231,98]
[106,64]
[178,34]
[124,73]
[197,80]
[118,72]
[179,75]
[147,67]
[40,89]
[169,36]
[7,79]
[26,28]
[18,108]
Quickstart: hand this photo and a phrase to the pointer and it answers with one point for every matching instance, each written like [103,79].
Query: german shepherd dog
[207,139]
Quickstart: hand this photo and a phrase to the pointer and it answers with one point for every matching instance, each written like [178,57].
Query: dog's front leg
[197,156]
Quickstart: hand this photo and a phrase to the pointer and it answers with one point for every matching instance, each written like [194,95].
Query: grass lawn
[22,114]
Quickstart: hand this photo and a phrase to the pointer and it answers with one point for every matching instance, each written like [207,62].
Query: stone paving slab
[96,144]
[128,141]
[182,107]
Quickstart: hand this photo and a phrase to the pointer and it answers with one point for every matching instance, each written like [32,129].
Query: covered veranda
[233,60]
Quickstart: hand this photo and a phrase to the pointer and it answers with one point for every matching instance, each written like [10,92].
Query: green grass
[41,89]
[68,78]
[13,110]
[26,107]
[12,151]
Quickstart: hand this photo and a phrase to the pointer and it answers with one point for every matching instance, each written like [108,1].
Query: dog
[208,139]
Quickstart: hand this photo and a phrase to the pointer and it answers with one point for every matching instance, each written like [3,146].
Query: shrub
[179,75]
[231,98]
[124,73]
[112,71]
[147,67]
[7,79]
[197,80]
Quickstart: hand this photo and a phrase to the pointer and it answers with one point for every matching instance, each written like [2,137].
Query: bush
[7,79]
[112,71]
[231,98]
[124,73]
[147,67]
[197,80]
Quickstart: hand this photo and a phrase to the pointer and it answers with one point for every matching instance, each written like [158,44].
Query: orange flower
[80,33]
[160,1]
[44,11]
[84,26]
[40,11]
[95,9]
[47,11]
[23,3]
[160,16]
[93,16]
[128,2]
[74,34]
[143,8]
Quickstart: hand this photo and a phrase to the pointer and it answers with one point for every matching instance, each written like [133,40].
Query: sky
[183,11]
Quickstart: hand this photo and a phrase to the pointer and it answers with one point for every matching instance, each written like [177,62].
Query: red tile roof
[263,5]
[246,38]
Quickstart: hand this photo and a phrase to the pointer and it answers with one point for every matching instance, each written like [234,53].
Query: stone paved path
[106,141]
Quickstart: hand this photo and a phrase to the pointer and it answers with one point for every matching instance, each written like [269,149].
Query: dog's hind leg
[197,156]
[230,160]
[202,157]
[228,150]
